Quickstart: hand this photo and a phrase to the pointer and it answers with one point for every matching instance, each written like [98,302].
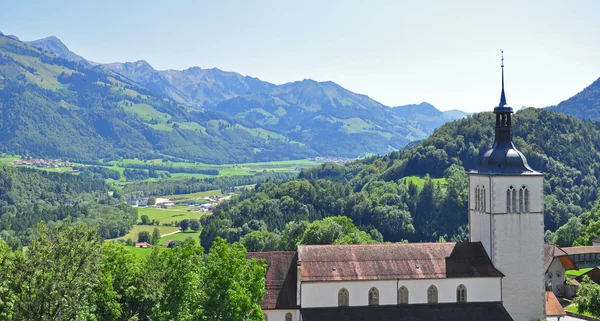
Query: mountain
[56,47]
[333,120]
[428,117]
[584,105]
[53,107]
[193,86]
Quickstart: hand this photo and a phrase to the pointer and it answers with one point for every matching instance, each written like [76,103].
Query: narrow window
[461,293]
[477,198]
[373,296]
[483,199]
[521,200]
[403,295]
[432,294]
[343,298]
[288,316]
[526,200]
[507,200]
[514,200]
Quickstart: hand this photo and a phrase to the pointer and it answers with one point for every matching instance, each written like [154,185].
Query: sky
[397,52]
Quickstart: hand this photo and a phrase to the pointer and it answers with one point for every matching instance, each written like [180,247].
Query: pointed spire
[502,96]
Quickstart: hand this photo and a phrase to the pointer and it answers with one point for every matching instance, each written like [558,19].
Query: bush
[144,236]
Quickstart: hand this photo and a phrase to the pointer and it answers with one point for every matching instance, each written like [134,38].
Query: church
[497,275]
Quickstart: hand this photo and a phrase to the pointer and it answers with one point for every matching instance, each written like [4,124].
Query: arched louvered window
[373,296]
[514,200]
[508,194]
[432,294]
[288,316]
[521,200]
[477,198]
[343,298]
[526,205]
[483,198]
[461,293]
[403,295]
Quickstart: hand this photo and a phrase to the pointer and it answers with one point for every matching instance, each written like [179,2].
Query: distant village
[43,163]
[206,204]
[338,160]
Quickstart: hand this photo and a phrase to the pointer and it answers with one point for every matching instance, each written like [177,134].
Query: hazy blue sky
[397,52]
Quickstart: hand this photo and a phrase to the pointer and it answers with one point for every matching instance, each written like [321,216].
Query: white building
[498,275]
[556,262]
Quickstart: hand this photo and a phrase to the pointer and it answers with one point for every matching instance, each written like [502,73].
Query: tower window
[403,295]
[511,199]
[373,296]
[477,198]
[483,198]
[526,204]
[432,294]
[521,200]
[343,298]
[514,200]
[461,293]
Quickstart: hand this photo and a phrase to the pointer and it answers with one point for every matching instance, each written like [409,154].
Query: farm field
[194,195]
[139,252]
[576,273]
[169,215]
[180,237]
[133,233]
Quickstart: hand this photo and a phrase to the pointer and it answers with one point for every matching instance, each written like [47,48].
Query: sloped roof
[488,311]
[280,279]
[394,261]
[553,307]
[596,240]
[581,249]
[552,251]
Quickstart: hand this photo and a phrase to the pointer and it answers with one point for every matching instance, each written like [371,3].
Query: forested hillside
[584,105]
[29,196]
[382,193]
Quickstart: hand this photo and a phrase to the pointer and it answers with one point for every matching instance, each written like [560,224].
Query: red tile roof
[394,261]
[553,307]
[581,249]
[552,251]
[280,279]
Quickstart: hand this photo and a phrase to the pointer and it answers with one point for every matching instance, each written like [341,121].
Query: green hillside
[584,105]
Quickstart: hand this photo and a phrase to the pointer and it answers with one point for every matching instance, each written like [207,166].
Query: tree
[152,201]
[145,219]
[155,236]
[194,225]
[568,233]
[129,242]
[254,241]
[588,297]
[8,296]
[55,275]
[234,286]
[184,224]
[144,236]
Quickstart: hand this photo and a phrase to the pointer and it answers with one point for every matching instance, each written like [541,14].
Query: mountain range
[584,105]
[57,103]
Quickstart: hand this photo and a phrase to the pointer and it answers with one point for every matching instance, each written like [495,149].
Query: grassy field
[576,273]
[133,234]
[194,195]
[573,308]
[138,251]
[420,180]
[180,237]
[169,215]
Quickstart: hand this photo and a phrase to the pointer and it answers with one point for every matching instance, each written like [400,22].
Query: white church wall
[480,221]
[279,315]
[325,294]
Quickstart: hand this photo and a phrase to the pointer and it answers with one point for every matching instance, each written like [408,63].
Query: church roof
[488,311]
[581,249]
[552,251]
[280,279]
[394,261]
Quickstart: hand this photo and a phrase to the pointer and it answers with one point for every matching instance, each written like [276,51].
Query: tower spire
[502,96]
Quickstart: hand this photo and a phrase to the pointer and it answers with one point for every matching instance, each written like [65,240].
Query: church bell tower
[506,215]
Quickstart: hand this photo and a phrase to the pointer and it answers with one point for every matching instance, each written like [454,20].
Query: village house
[556,262]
